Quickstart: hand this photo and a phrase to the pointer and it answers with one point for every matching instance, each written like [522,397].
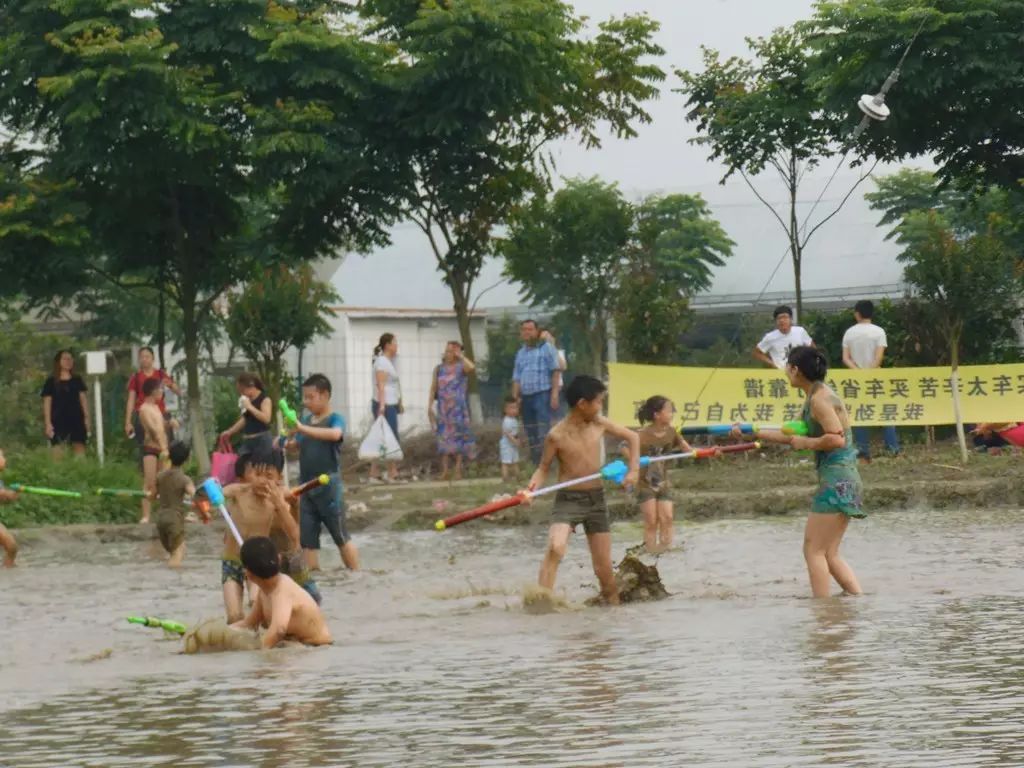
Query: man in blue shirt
[535,385]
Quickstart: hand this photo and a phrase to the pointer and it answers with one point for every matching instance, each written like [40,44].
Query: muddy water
[436,664]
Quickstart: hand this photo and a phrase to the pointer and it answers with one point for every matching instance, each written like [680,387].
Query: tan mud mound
[213,635]
[637,581]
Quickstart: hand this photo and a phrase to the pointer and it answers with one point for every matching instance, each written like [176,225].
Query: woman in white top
[387,395]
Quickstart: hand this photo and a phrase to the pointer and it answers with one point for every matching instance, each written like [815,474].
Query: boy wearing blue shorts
[319,436]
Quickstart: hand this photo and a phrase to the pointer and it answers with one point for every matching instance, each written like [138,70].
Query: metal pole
[98,416]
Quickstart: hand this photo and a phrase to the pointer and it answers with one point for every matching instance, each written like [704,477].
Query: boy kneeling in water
[576,442]
[282,606]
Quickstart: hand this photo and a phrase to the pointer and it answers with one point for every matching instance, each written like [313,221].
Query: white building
[346,357]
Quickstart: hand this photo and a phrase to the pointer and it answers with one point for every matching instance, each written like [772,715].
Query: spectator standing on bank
[147,370]
[535,381]
[773,350]
[864,346]
[547,336]
[449,389]
[65,406]
[387,395]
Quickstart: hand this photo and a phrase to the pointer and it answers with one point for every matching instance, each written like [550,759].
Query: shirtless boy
[576,443]
[257,505]
[7,540]
[282,606]
[154,441]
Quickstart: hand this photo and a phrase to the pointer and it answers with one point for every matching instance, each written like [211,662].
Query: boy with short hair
[576,442]
[172,486]
[282,606]
[257,504]
[154,441]
[7,540]
[319,436]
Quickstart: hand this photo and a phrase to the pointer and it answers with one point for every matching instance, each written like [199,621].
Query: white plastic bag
[380,443]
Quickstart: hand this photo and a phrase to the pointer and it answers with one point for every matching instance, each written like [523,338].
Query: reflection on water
[436,663]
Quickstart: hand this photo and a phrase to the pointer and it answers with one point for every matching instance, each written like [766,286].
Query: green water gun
[291,418]
[786,428]
[164,624]
[44,491]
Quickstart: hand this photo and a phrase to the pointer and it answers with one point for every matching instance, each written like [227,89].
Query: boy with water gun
[318,438]
[576,442]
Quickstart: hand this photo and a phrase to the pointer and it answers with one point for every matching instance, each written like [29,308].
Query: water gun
[215,493]
[164,624]
[309,485]
[615,471]
[291,418]
[121,492]
[19,488]
[787,428]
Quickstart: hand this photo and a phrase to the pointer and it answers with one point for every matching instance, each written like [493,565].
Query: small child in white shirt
[509,444]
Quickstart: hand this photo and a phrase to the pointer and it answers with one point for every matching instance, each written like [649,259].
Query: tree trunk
[794,242]
[460,297]
[190,331]
[954,380]
[595,340]
[161,325]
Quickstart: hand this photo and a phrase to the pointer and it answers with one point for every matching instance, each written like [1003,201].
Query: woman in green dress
[839,495]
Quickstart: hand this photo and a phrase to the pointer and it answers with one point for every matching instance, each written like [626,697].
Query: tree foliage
[960,96]
[762,114]
[590,253]
[194,143]
[484,86]
[285,308]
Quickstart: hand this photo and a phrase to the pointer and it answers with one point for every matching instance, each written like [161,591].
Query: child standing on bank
[172,486]
[576,442]
[7,540]
[319,436]
[653,491]
[508,446]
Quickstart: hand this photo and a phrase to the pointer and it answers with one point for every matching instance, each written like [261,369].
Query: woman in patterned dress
[449,389]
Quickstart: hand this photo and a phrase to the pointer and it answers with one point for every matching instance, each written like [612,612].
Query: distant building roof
[403,312]
[825,298]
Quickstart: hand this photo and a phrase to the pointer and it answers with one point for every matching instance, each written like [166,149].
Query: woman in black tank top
[256,413]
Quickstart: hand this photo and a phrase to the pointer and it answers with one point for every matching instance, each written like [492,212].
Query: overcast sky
[848,251]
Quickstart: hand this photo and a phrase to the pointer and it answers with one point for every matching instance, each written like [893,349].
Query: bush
[38,468]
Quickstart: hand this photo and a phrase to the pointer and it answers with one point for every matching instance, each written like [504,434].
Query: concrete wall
[346,358]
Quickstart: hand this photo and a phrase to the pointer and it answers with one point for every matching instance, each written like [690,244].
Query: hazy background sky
[848,251]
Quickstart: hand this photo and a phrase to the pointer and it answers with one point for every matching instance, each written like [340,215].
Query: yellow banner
[880,397]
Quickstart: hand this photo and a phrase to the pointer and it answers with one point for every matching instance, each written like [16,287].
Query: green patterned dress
[839,486]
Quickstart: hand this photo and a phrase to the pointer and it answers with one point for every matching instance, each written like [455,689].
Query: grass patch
[85,475]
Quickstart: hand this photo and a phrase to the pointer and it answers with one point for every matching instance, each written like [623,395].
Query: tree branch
[840,206]
[768,205]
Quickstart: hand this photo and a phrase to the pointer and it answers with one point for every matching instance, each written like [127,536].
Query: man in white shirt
[864,346]
[773,349]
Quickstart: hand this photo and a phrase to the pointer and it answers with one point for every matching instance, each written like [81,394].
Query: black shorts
[67,434]
[322,506]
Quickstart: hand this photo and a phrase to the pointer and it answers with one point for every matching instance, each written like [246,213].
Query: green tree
[590,253]
[287,308]
[486,86]
[959,280]
[675,246]
[201,142]
[761,113]
[961,88]
[567,252]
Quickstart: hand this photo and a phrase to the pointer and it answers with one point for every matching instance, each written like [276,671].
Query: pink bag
[222,463]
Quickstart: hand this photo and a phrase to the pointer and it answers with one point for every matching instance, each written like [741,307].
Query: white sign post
[96,366]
